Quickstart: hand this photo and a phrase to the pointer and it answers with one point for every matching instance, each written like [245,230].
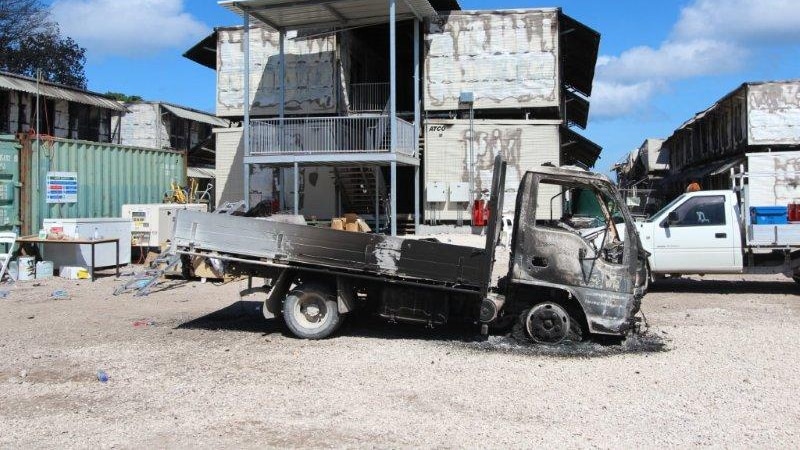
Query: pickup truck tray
[274,243]
[774,235]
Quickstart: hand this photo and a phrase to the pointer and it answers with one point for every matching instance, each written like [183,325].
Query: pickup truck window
[701,211]
[661,213]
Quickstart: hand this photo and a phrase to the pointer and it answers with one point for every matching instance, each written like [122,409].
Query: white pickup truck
[708,232]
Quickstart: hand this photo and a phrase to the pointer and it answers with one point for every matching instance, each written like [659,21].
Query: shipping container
[9,183]
[79,179]
[523,144]
[507,58]
[773,113]
[311,73]
[773,178]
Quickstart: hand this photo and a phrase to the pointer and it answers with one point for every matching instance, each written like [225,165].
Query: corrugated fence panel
[108,176]
[523,145]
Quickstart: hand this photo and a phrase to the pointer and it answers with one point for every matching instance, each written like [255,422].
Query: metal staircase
[358,187]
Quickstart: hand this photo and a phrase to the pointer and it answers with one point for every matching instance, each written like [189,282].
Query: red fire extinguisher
[480,213]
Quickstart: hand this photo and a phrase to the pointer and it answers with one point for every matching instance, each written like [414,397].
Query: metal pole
[416,199]
[393,107]
[296,189]
[282,75]
[417,123]
[246,106]
[377,201]
[471,162]
[394,198]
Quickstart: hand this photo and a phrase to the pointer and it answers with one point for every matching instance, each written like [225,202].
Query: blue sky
[661,61]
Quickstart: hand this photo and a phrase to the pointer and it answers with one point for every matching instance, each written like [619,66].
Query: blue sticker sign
[62,187]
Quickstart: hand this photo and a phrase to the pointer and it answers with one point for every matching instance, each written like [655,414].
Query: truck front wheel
[311,312]
[546,323]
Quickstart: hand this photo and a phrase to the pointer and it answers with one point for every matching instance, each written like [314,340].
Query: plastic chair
[9,239]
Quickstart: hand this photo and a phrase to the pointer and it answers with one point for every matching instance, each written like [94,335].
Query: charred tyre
[311,312]
[546,323]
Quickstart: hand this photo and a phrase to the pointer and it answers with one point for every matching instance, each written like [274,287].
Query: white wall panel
[508,59]
[310,73]
[524,145]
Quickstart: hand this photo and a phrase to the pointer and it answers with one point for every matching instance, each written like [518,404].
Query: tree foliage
[120,97]
[30,40]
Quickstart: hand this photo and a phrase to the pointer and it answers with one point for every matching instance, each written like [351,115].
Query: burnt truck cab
[575,256]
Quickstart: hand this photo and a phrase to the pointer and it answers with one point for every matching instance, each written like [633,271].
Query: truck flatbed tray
[774,235]
[276,243]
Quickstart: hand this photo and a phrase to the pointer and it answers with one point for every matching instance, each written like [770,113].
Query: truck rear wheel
[311,311]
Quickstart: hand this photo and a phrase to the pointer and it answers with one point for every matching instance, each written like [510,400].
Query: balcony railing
[318,135]
[368,97]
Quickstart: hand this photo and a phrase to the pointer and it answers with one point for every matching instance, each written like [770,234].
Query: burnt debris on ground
[644,342]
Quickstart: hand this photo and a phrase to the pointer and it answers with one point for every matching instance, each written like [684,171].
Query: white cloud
[672,60]
[711,37]
[619,99]
[127,28]
[740,20]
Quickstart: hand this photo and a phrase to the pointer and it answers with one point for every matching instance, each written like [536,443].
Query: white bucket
[44,270]
[27,268]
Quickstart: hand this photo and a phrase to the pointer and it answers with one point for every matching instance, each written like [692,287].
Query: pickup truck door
[698,239]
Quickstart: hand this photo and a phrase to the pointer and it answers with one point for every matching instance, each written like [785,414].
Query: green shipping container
[79,179]
[9,183]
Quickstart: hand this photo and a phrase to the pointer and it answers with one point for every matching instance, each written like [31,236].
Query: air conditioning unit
[152,223]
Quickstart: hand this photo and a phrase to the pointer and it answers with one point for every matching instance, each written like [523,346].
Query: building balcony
[369,97]
[332,139]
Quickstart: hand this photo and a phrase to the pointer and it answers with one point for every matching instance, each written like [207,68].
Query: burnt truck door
[575,235]
[496,221]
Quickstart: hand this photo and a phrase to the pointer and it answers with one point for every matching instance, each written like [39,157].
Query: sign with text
[62,187]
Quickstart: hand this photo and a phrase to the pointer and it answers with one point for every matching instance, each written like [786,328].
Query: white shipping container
[773,178]
[524,145]
[773,113]
[506,58]
[311,75]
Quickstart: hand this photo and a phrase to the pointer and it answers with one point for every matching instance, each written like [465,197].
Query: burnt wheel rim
[310,312]
[547,323]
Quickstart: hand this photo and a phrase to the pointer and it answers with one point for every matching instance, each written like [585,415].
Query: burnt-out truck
[576,265]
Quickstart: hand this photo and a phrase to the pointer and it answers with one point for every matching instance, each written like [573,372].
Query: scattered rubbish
[4,294]
[143,323]
[60,294]
[23,373]
[102,376]
[36,284]
[74,273]
[31,317]
[26,268]
[44,270]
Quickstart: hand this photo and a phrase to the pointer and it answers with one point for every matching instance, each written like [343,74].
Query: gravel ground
[191,365]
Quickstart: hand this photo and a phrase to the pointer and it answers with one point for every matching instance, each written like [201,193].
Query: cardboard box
[337,224]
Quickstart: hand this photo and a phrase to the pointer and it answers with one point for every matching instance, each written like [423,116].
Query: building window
[84,122]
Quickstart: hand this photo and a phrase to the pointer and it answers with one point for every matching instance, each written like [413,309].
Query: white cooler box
[81,255]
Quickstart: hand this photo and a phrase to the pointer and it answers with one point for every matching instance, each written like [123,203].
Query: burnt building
[755,117]
[355,106]
[63,111]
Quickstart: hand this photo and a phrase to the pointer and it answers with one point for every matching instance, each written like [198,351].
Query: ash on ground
[643,342]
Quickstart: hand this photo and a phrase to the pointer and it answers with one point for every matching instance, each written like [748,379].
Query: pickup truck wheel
[311,312]
[546,323]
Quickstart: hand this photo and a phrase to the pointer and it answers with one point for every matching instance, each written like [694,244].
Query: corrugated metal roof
[51,90]
[199,172]
[196,116]
[300,14]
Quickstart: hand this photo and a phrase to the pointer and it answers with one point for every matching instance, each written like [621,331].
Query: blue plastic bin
[769,215]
